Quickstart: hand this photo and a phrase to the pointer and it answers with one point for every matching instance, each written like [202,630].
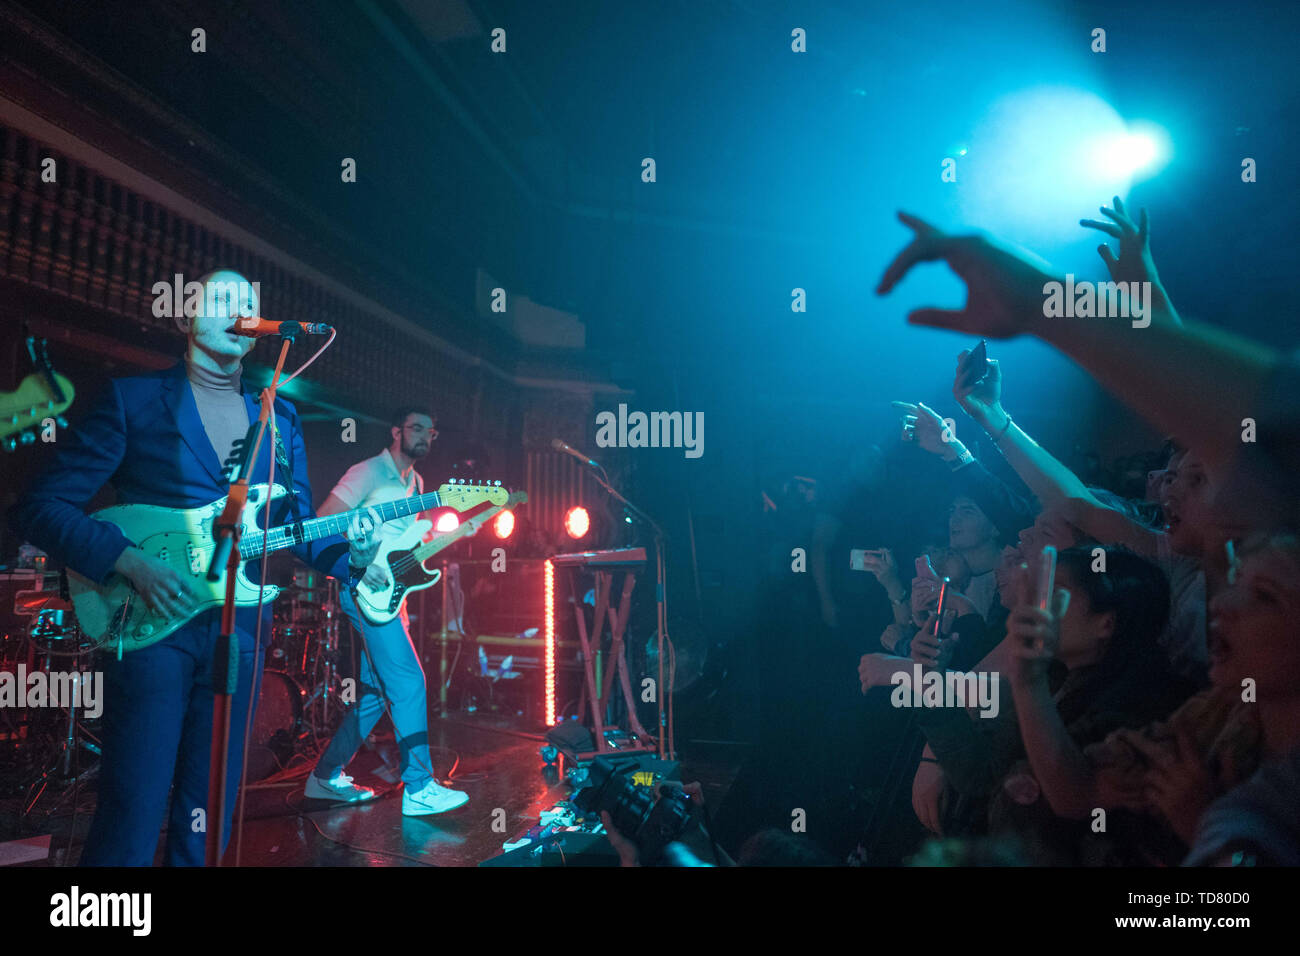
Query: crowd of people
[1151,713]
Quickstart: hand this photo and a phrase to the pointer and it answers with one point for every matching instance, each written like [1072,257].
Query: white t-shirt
[377,480]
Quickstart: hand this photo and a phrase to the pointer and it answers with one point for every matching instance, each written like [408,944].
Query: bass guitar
[404,559]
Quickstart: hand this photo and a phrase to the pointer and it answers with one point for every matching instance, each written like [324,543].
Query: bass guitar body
[405,574]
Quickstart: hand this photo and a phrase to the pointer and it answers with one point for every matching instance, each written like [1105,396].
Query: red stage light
[447,521]
[504,524]
[577,522]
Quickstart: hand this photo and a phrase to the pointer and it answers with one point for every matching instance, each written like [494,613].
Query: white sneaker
[339,788]
[431,798]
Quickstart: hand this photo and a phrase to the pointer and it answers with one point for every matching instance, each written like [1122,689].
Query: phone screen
[976,365]
[1046,577]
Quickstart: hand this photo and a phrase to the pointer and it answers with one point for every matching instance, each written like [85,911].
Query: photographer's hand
[625,848]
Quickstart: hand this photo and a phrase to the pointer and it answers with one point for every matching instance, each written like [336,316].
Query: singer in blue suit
[162,439]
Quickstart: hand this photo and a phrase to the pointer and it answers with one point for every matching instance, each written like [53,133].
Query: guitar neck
[444,541]
[313,529]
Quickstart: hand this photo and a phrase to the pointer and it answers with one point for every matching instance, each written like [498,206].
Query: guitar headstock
[463,494]
[491,514]
[24,411]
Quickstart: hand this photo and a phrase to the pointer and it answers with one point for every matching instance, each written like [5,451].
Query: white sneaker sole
[411,808]
[315,790]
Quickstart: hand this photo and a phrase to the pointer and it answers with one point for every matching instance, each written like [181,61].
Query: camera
[648,818]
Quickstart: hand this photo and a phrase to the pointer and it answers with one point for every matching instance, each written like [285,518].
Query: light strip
[549,585]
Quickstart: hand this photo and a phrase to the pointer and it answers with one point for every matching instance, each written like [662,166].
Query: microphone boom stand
[225,683]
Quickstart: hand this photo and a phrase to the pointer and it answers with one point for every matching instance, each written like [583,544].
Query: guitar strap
[282,459]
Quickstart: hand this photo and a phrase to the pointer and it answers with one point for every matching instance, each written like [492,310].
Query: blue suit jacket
[144,436]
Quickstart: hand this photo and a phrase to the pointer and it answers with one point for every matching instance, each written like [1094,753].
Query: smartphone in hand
[1046,577]
[976,365]
[942,608]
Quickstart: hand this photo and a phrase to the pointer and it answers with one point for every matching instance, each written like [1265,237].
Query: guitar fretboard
[313,529]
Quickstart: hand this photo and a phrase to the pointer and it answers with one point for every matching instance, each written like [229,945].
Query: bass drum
[276,724]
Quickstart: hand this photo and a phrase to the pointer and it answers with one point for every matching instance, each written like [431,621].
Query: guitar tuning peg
[28,438]
[10,444]
[61,421]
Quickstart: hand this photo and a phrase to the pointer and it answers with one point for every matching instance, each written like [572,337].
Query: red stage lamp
[504,525]
[447,521]
[577,522]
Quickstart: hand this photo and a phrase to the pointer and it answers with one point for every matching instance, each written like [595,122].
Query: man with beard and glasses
[390,670]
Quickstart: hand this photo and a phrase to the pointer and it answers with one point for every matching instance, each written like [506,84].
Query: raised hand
[881,563]
[1134,263]
[1004,290]
[924,596]
[923,425]
[983,400]
[1035,637]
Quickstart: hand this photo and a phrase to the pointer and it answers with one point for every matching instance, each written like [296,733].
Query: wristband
[1005,428]
[964,457]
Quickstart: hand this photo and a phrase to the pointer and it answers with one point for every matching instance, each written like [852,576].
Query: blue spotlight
[1042,159]
[1140,149]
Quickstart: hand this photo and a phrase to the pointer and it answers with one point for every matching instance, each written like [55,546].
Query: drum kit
[49,750]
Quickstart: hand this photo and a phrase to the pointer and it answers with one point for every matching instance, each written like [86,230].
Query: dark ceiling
[774,170]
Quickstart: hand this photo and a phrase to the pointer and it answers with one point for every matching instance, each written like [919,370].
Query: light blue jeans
[390,669]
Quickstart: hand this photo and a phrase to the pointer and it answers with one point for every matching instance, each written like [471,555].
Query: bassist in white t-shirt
[390,672]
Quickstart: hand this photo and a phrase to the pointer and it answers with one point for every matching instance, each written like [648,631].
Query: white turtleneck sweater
[221,407]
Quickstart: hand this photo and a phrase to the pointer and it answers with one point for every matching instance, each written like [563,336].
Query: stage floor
[488,757]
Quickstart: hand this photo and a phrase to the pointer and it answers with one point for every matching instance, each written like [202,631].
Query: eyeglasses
[418,430]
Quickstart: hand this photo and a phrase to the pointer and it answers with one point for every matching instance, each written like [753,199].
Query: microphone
[569,450]
[255,327]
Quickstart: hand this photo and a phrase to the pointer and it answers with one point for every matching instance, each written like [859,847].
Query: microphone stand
[225,683]
[668,749]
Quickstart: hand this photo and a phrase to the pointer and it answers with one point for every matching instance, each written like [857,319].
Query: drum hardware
[301,687]
[46,638]
[276,724]
[64,764]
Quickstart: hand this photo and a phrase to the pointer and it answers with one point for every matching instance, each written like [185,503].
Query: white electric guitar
[404,557]
[113,615]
